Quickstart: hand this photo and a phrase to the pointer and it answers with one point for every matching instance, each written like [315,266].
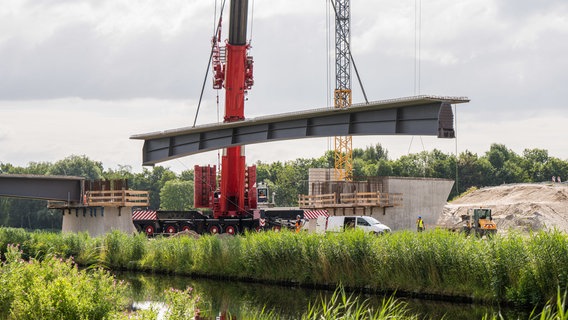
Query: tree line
[172,191]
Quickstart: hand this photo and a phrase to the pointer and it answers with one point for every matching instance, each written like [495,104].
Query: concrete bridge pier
[98,220]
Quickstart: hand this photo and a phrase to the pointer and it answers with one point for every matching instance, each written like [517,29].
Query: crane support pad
[419,115]
[58,188]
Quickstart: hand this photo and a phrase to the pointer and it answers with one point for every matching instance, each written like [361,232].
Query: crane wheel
[276,228]
[149,230]
[171,229]
[186,228]
[232,230]
[214,229]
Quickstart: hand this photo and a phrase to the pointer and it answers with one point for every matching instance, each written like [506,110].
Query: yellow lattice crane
[343,153]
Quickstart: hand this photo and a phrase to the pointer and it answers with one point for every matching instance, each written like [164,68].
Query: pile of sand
[521,207]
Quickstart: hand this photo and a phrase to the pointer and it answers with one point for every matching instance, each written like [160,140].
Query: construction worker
[298,223]
[419,224]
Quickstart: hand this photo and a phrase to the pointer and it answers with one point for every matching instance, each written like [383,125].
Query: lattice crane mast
[343,153]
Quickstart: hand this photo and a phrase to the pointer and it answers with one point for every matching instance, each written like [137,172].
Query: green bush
[56,289]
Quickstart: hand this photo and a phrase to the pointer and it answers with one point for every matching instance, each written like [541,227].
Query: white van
[365,223]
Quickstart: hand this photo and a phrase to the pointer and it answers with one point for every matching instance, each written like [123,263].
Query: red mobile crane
[234,203]
[237,193]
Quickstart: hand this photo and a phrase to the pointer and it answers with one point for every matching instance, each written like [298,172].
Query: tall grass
[56,289]
[516,269]
[341,306]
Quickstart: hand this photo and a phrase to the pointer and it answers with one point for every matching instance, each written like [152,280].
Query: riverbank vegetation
[54,288]
[40,278]
[513,269]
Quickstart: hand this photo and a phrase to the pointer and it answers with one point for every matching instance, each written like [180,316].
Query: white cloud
[104,70]
[52,130]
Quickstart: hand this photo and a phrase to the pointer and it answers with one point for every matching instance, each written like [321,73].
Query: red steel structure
[233,69]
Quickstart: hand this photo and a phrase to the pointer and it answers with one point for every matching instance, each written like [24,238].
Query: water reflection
[222,298]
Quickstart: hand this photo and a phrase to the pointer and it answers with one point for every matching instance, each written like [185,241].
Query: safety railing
[316,201]
[357,199]
[119,198]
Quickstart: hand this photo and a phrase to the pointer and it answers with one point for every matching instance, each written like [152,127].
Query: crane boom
[237,194]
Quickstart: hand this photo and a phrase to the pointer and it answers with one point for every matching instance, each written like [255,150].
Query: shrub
[56,289]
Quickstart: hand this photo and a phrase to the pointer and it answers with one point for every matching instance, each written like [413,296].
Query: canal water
[233,298]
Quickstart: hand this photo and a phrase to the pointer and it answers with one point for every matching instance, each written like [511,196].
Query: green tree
[411,165]
[506,165]
[121,173]
[187,175]
[176,195]
[291,181]
[472,170]
[266,172]
[498,154]
[361,168]
[556,167]
[512,172]
[39,168]
[534,163]
[441,165]
[371,153]
[8,168]
[80,166]
[153,181]
[328,159]
[384,168]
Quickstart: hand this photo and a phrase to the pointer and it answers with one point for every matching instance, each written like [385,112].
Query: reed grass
[514,268]
[341,306]
[517,269]
[54,288]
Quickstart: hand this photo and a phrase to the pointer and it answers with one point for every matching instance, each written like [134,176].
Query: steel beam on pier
[57,188]
[420,115]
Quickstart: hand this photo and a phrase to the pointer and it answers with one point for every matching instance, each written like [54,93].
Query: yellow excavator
[480,222]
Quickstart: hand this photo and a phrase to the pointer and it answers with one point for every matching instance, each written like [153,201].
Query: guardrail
[316,201]
[357,199]
[118,198]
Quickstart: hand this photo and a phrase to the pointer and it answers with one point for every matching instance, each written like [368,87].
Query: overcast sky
[81,76]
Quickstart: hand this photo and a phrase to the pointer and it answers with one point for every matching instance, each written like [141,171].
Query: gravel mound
[520,207]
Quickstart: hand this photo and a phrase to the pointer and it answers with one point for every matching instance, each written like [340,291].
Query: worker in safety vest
[298,223]
[419,224]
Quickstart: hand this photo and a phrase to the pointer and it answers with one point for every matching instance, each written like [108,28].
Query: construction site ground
[518,207]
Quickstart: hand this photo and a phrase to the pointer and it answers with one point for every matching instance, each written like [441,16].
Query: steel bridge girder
[423,115]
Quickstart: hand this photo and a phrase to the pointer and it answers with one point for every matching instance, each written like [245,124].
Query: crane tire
[171,229]
[149,229]
[215,229]
[232,230]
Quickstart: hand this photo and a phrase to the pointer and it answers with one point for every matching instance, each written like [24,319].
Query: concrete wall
[98,220]
[424,197]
